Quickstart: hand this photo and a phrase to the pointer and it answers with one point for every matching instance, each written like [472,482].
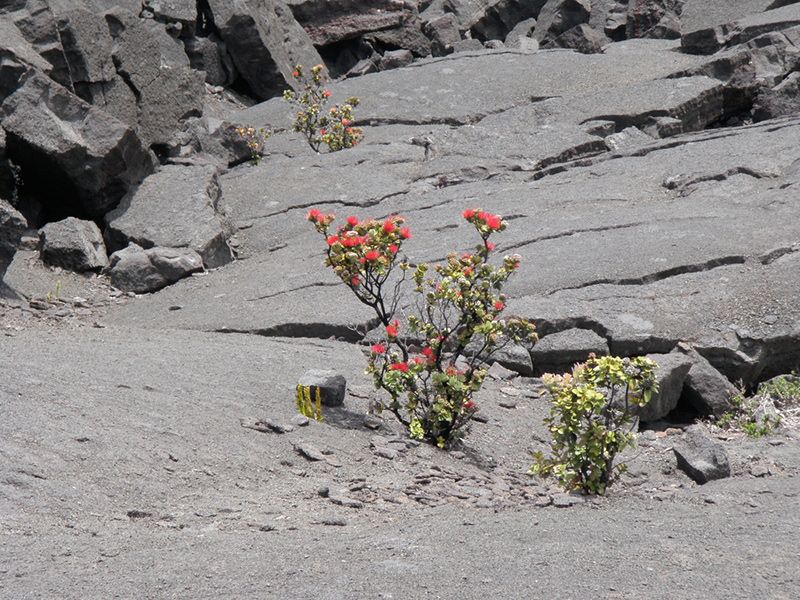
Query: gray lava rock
[522,30]
[178,207]
[443,32]
[671,374]
[629,138]
[558,16]
[654,19]
[95,156]
[496,19]
[12,227]
[331,385]
[265,42]
[395,58]
[700,457]
[468,45]
[17,56]
[156,67]
[780,101]
[73,244]
[557,352]
[583,38]
[135,269]
[708,390]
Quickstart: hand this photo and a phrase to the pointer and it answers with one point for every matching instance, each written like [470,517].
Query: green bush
[589,420]
[754,415]
[460,304]
[320,125]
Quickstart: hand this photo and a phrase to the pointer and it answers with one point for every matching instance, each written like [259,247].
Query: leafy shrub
[784,389]
[332,127]
[589,420]
[255,140]
[430,388]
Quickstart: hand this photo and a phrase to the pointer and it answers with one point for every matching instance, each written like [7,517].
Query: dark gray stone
[178,207]
[395,58]
[582,38]
[700,457]
[705,388]
[12,227]
[558,16]
[17,57]
[73,244]
[671,375]
[783,100]
[654,19]
[710,39]
[443,32]
[265,42]
[522,30]
[134,269]
[94,157]
[208,54]
[558,352]
[331,386]
[156,68]
[468,45]
[498,18]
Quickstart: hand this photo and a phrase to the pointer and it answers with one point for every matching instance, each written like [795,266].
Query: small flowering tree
[431,387]
[332,127]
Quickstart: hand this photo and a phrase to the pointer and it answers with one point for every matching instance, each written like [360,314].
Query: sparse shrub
[319,124]
[431,387]
[755,415]
[590,420]
[255,140]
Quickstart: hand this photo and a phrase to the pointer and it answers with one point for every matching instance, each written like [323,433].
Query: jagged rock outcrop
[91,158]
[264,40]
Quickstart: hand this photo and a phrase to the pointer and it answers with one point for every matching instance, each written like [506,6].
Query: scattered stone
[385,452]
[138,514]
[501,373]
[267,527]
[334,521]
[331,385]
[299,420]
[324,491]
[700,457]
[507,403]
[395,59]
[345,501]
[274,426]
[310,452]
[73,244]
[373,422]
[135,269]
[760,470]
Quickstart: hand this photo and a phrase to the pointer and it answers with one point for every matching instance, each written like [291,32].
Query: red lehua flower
[468,214]
[405,233]
[483,215]
[451,371]
[417,360]
[401,366]
[466,256]
[354,281]
[348,131]
[352,221]
[323,131]
[345,122]
[314,215]
[332,239]
[388,226]
[378,348]
[489,246]
[467,271]
[469,405]
[326,93]
[393,248]
[493,222]
[427,351]
[391,329]
[295,73]
[351,241]
[372,255]
[498,305]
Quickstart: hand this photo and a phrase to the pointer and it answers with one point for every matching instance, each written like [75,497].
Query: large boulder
[73,244]
[156,68]
[134,269]
[265,42]
[178,207]
[705,388]
[91,158]
[671,374]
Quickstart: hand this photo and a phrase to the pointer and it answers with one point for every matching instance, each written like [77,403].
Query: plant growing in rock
[319,124]
[756,415]
[590,420]
[255,140]
[430,386]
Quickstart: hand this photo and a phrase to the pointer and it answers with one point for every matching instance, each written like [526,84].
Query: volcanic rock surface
[150,444]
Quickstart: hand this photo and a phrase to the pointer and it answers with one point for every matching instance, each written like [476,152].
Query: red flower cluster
[480,217]
[391,329]
[399,366]
[378,348]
